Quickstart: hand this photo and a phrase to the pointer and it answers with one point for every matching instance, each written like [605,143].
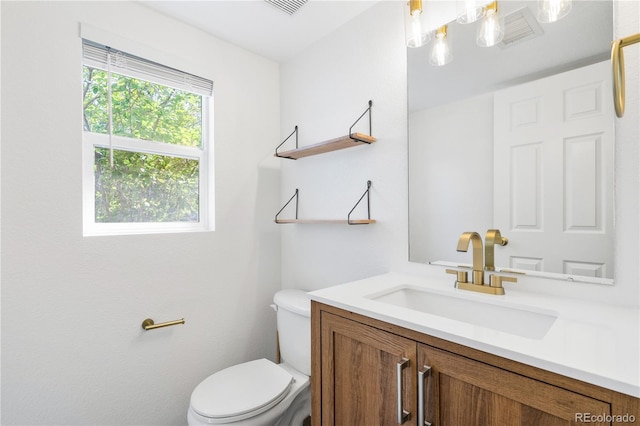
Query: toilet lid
[241,391]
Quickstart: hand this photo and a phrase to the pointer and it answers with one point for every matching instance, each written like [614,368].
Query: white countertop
[592,342]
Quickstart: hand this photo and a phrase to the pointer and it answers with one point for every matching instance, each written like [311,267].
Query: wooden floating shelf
[347,221]
[325,221]
[348,141]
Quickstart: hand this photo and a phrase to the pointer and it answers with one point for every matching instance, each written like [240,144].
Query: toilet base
[298,411]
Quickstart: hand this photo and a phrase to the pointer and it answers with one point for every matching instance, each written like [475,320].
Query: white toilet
[260,392]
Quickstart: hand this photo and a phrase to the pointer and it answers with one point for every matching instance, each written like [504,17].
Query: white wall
[323,91]
[627,270]
[323,88]
[73,351]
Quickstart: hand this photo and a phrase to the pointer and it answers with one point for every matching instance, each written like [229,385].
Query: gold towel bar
[148,324]
[617,63]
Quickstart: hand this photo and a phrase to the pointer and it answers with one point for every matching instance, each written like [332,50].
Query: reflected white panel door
[553,173]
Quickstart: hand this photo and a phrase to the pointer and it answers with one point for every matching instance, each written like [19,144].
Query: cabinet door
[361,374]
[461,391]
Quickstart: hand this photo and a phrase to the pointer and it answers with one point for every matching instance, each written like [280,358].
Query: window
[146,146]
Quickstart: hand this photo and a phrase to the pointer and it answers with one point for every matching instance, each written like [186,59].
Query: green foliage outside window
[143,187]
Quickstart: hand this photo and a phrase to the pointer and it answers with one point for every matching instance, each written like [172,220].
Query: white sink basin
[521,321]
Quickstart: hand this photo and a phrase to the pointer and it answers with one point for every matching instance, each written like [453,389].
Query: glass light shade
[441,50]
[415,28]
[468,11]
[553,10]
[491,29]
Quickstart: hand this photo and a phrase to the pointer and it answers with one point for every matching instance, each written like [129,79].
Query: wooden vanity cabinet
[467,392]
[358,364]
[361,363]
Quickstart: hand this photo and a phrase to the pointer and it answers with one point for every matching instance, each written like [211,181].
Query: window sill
[106,229]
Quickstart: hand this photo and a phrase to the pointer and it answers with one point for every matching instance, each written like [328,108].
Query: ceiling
[261,27]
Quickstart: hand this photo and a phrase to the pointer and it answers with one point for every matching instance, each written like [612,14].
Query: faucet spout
[463,245]
[492,238]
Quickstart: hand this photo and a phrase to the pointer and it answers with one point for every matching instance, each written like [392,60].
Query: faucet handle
[461,276]
[496,280]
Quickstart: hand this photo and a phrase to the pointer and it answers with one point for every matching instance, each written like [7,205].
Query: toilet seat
[241,391]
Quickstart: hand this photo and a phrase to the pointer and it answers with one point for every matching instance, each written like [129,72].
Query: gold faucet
[495,281]
[492,238]
[463,245]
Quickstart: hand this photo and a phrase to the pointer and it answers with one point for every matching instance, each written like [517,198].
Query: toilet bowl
[260,392]
[258,395]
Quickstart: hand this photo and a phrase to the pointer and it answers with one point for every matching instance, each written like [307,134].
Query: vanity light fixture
[416,34]
[469,11]
[491,28]
[441,50]
[553,10]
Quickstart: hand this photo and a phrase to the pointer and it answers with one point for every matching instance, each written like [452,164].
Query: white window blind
[97,56]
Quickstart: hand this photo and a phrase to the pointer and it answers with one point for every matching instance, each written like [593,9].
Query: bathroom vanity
[383,353]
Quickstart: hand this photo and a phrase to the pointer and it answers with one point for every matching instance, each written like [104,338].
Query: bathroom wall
[322,91]
[73,351]
[627,19]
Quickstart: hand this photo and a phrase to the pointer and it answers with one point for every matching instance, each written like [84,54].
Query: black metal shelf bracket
[295,195]
[295,131]
[367,111]
[366,193]
[349,221]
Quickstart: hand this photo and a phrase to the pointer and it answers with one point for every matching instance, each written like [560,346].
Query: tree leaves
[143,187]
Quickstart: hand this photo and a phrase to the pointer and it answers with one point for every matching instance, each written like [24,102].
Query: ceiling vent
[287,6]
[519,26]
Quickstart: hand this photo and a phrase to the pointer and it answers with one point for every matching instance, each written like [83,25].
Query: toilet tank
[294,328]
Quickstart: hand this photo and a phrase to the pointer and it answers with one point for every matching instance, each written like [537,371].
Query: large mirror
[517,137]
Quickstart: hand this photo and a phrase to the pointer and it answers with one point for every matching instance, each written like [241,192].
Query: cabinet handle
[403,415]
[422,375]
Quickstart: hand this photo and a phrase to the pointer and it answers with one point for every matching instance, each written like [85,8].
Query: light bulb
[468,11]
[415,33]
[417,36]
[553,10]
[441,50]
[491,29]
